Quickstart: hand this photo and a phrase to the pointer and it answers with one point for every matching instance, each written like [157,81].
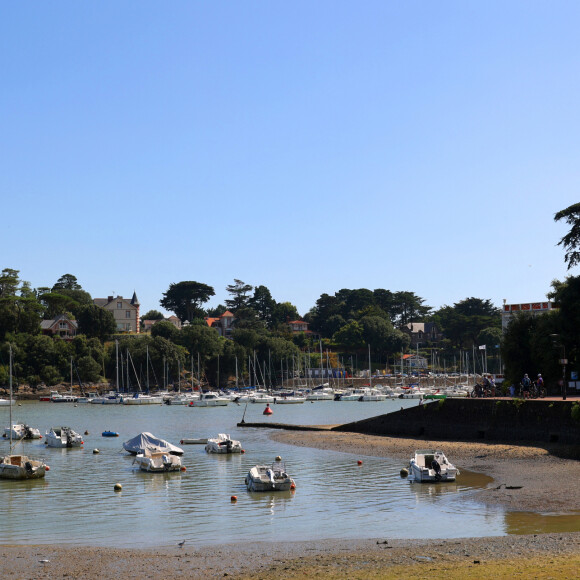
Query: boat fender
[292,486]
[234,498]
[118,487]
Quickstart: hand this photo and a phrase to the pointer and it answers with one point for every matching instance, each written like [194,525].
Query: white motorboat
[56,397]
[63,437]
[354,395]
[22,431]
[21,467]
[431,465]
[6,402]
[147,441]
[88,398]
[373,395]
[289,400]
[157,461]
[223,443]
[111,398]
[259,397]
[181,399]
[321,393]
[141,399]
[269,478]
[209,399]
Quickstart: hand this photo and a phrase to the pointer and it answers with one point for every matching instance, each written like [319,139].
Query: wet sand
[541,479]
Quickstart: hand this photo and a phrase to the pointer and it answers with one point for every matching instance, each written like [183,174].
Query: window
[119,305]
[62,325]
[128,314]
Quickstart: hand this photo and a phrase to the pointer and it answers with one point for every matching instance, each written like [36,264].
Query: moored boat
[21,467]
[223,443]
[269,478]
[209,399]
[431,465]
[22,431]
[157,461]
[151,443]
[63,437]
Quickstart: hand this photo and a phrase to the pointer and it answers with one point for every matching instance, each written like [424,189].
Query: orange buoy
[267,410]
[243,451]
[359,462]
[234,498]
[183,468]
[47,468]
[292,486]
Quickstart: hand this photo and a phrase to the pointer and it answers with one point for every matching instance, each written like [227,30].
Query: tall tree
[263,303]
[185,299]
[571,241]
[94,321]
[67,282]
[239,292]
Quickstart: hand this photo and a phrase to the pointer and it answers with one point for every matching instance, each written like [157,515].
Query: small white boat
[431,465]
[373,395]
[56,397]
[141,399]
[210,399]
[22,431]
[6,402]
[223,443]
[88,398]
[269,478]
[147,441]
[63,437]
[111,398]
[193,441]
[261,398]
[289,400]
[21,467]
[157,461]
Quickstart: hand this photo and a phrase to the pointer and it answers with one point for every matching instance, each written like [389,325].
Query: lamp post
[563,361]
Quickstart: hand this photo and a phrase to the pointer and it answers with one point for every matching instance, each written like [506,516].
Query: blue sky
[304,146]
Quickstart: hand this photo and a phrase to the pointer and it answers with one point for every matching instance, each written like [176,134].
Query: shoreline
[543,476]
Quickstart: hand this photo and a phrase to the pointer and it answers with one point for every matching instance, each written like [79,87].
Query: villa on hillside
[422,332]
[125,311]
[61,326]
[224,324]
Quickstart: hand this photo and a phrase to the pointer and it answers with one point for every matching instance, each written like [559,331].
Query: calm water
[335,497]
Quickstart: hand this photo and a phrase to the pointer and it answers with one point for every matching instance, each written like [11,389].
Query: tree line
[345,323]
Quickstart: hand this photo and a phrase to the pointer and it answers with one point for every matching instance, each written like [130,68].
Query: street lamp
[563,361]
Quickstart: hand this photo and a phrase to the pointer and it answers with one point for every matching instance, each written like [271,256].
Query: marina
[368,499]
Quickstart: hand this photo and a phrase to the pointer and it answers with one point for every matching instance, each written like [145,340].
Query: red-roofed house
[224,323]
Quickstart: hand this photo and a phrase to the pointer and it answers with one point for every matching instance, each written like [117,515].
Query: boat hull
[264,478]
[20,467]
[158,462]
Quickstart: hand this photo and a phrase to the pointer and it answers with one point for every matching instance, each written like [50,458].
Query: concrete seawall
[479,419]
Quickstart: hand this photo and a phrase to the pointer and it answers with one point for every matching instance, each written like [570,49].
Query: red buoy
[47,468]
[234,498]
[359,462]
[267,410]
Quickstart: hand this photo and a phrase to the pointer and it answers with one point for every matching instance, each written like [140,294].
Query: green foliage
[185,299]
[571,241]
[96,322]
[575,412]
[239,295]
[165,329]
[152,315]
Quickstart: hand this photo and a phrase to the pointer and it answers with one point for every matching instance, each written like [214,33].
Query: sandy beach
[526,478]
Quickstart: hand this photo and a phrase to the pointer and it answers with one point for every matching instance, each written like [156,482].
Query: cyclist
[540,386]
[526,384]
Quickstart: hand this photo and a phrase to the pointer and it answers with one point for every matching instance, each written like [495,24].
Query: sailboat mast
[10,365]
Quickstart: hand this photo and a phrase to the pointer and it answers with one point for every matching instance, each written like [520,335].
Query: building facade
[526,308]
[125,311]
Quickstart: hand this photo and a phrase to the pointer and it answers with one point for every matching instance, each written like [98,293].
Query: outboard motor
[28,467]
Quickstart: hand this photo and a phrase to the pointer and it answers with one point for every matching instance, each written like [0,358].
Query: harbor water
[335,497]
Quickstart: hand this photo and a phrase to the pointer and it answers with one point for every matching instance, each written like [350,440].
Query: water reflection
[335,497]
[533,523]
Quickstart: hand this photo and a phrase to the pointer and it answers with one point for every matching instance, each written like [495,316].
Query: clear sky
[305,146]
